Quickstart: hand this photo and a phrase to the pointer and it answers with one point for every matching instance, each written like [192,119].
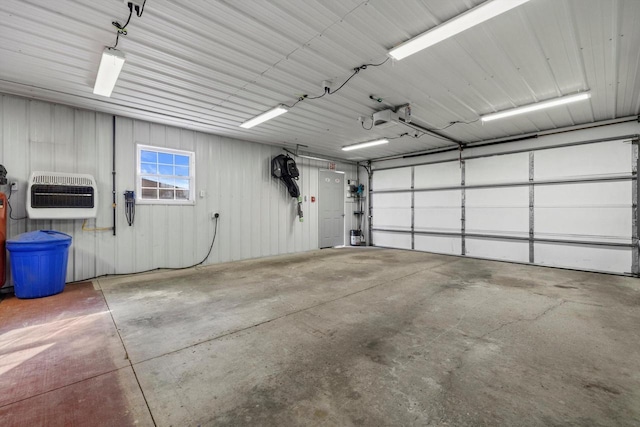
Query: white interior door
[331,208]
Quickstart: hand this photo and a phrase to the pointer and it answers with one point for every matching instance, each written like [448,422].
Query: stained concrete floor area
[339,337]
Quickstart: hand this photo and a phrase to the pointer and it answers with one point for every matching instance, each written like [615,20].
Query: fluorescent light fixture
[460,23]
[537,106]
[365,144]
[275,112]
[110,67]
[320,159]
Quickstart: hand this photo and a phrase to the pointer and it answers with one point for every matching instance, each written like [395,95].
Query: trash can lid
[40,236]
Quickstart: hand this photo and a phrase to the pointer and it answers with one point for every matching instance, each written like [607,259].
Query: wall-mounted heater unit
[54,195]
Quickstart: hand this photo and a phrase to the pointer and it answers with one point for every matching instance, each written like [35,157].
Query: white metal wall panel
[605,158]
[507,168]
[588,211]
[258,218]
[498,211]
[508,250]
[438,244]
[392,179]
[392,211]
[438,211]
[614,260]
[392,240]
[438,175]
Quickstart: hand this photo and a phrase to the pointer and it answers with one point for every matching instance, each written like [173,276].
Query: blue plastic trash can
[39,263]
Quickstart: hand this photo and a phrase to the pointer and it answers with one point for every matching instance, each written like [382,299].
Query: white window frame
[191,177]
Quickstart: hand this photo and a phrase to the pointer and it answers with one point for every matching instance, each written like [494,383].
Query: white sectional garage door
[571,206]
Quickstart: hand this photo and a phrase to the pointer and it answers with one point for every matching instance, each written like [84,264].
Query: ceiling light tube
[458,24]
[365,144]
[274,112]
[108,72]
[320,159]
[537,106]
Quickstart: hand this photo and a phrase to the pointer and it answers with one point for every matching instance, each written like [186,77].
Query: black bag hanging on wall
[284,168]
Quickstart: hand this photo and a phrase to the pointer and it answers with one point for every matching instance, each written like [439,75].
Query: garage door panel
[604,158]
[497,210]
[438,244]
[386,200]
[438,175]
[392,210]
[584,194]
[392,179]
[392,240]
[438,219]
[508,250]
[587,211]
[614,260]
[505,168]
[491,197]
[438,210]
[497,205]
[448,198]
[505,221]
[589,224]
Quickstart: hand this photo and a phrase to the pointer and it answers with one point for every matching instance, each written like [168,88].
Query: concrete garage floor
[338,337]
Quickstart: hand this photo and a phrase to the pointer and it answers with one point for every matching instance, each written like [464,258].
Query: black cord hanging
[130,206]
[122,29]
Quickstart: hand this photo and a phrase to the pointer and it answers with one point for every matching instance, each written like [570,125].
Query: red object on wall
[3,238]
[313,199]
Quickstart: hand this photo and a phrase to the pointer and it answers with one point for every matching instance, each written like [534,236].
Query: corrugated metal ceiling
[210,65]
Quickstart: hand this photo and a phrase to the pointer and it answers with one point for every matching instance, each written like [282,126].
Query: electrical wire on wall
[4,181]
[11,209]
[213,240]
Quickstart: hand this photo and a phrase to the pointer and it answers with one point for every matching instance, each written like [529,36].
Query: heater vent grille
[61,196]
[54,195]
[63,180]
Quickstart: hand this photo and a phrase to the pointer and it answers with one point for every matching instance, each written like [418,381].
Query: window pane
[165,175]
[166,194]
[148,193]
[148,156]
[182,171]
[165,158]
[148,168]
[165,170]
[182,160]
[150,181]
[167,183]
[182,183]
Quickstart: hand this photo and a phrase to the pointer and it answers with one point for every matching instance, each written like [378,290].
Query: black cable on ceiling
[328,91]
[367,128]
[456,123]
[122,29]
[355,71]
